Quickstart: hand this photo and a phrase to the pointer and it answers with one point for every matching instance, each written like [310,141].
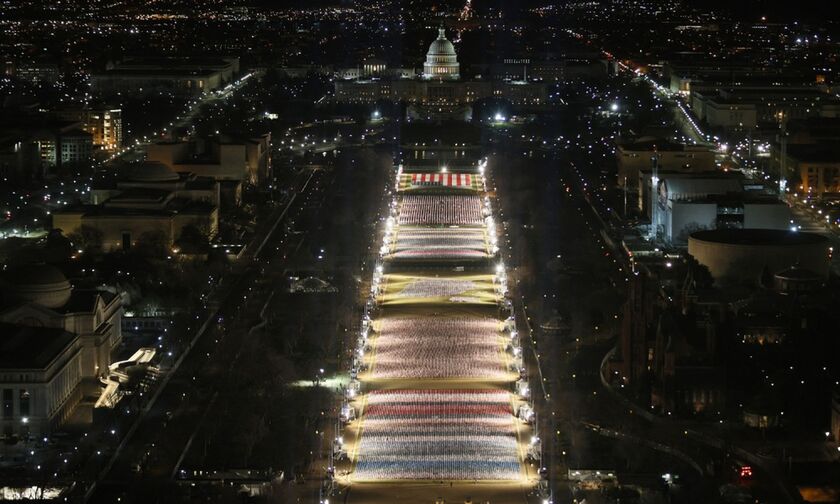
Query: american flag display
[442,243]
[415,181]
[435,347]
[441,210]
[436,359]
[442,179]
[438,434]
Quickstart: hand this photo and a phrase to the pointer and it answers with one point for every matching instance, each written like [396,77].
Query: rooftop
[82,300]
[821,153]
[173,207]
[775,237]
[207,61]
[159,72]
[24,347]
[140,195]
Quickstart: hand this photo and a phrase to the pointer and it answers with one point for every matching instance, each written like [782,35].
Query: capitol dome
[40,284]
[441,60]
[153,171]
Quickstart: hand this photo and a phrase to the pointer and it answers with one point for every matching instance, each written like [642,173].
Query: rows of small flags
[441,210]
[438,429]
[429,243]
[438,434]
[429,347]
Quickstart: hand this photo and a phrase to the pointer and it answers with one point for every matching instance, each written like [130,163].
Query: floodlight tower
[783,156]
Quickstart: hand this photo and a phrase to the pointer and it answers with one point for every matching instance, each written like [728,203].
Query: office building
[746,108]
[103,123]
[636,155]
[687,202]
[223,158]
[182,76]
[150,201]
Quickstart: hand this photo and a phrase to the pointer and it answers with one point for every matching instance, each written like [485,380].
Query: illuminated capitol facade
[439,90]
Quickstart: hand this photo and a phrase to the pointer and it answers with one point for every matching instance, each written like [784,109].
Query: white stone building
[55,342]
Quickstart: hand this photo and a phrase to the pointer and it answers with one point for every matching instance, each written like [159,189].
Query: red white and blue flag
[442,179]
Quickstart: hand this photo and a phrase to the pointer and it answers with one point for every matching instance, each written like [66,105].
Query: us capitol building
[439,92]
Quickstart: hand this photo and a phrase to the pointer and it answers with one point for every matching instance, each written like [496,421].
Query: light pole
[625,198]
[783,155]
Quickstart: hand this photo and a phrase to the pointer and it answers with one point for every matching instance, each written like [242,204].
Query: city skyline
[472,251]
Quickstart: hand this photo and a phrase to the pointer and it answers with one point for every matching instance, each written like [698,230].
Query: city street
[578,407]
[152,457]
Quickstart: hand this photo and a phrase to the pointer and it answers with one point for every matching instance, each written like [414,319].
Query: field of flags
[432,347]
[441,210]
[435,360]
[438,434]
[415,288]
[440,244]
